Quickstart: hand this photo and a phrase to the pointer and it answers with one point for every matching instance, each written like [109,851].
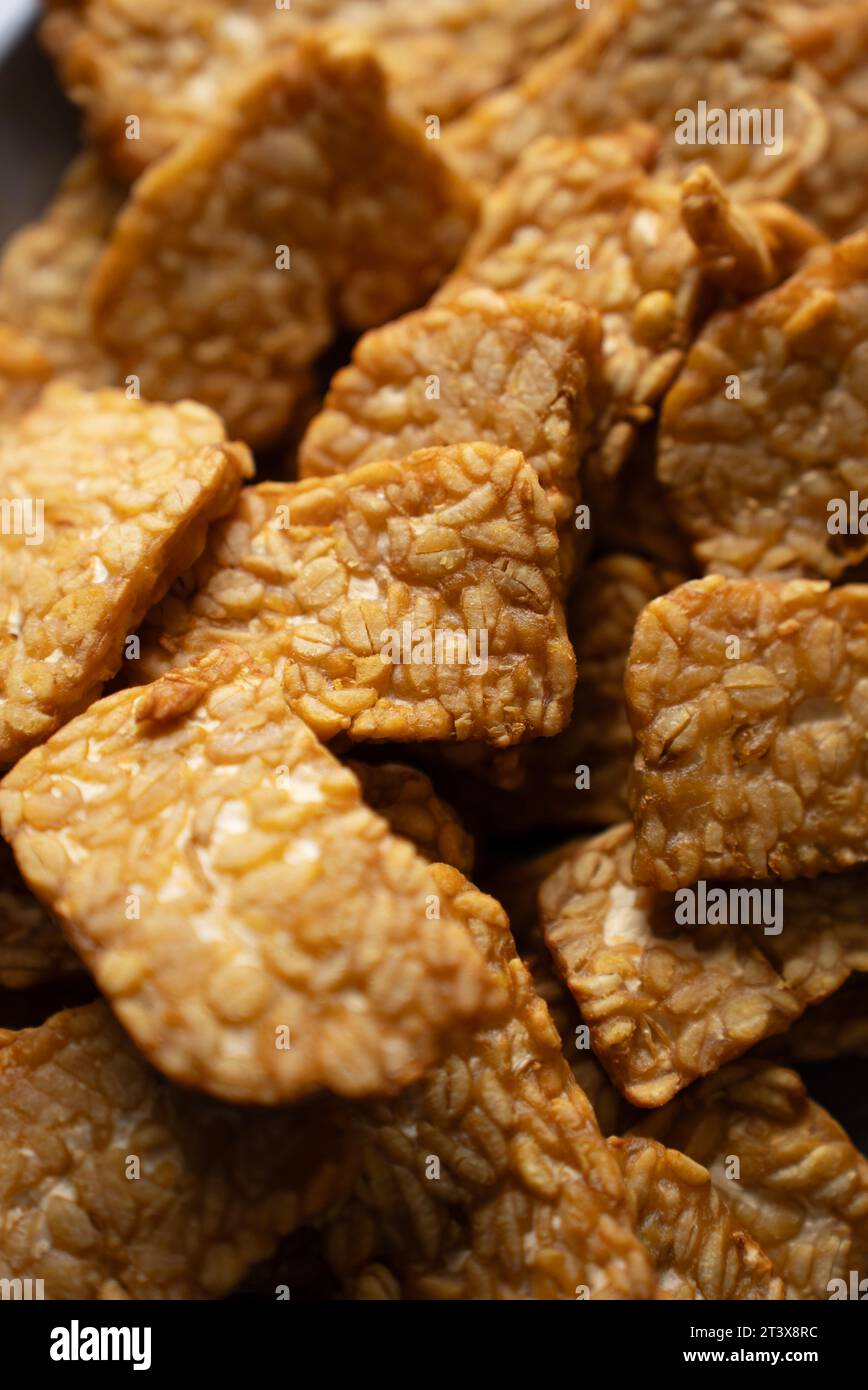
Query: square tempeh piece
[651,60]
[171,61]
[405,600]
[519,371]
[748,700]
[799,1186]
[689,1230]
[105,502]
[665,1003]
[114,1185]
[303,206]
[490,1178]
[259,932]
[764,435]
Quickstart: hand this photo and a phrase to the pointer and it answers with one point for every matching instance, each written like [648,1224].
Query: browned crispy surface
[114,1185]
[125,493]
[348,584]
[515,370]
[746,701]
[407,801]
[688,1229]
[171,61]
[824,936]
[304,205]
[32,947]
[489,1179]
[649,60]
[665,1003]
[584,221]
[516,885]
[750,479]
[258,930]
[590,222]
[802,1187]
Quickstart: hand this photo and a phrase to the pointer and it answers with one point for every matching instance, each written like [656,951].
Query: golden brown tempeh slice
[45,272]
[763,435]
[747,703]
[654,60]
[688,1229]
[170,62]
[407,801]
[489,1178]
[790,1175]
[303,206]
[407,601]
[106,501]
[518,371]
[666,1001]
[114,1185]
[259,932]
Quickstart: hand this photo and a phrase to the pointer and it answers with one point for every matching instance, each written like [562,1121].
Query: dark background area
[38,133]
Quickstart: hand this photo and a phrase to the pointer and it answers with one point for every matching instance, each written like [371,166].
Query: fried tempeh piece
[108,501]
[746,698]
[751,478]
[45,271]
[665,1003]
[524,1200]
[515,370]
[802,1188]
[516,885]
[170,62]
[589,222]
[689,1230]
[114,1185]
[652,60]
[32,948]
[305,205]
[258,930]
[825,934]
[407,801]
[346,585]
